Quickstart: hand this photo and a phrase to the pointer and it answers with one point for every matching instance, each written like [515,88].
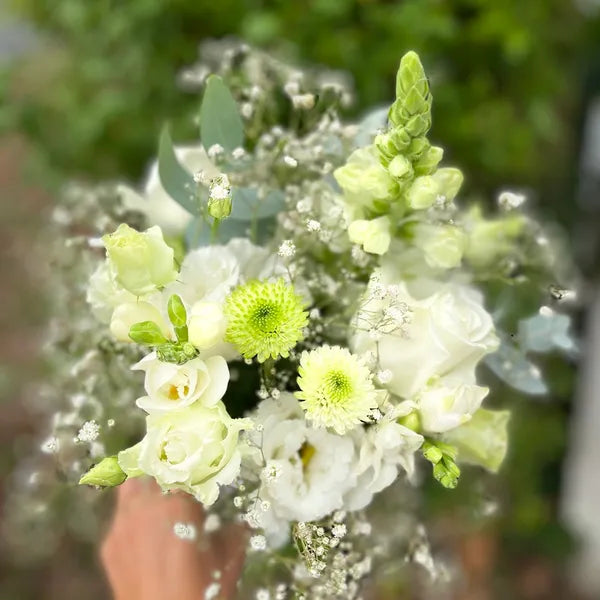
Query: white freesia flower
[383,449]
[194,449]
[314,467]
[444,406]
[159,208]
[170,386]
[448,333]
[128,314]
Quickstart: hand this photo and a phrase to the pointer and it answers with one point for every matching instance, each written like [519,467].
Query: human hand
[145,560]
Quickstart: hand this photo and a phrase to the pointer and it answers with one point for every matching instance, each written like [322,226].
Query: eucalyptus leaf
[177,181]
[220,120]
[370,124]
[247,206]
[545,332]
[510,364]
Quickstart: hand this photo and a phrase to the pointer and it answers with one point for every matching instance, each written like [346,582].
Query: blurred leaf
[220,120]
[546,332]
[176,179]
[511,365]
[247,206]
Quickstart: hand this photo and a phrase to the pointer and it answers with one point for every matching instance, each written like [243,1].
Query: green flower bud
[449,181]
[432,453]
[417,148]
[147,333]
[442,245]
[448,477]
[400,167]
[176,311]
[428,161]
[139,261]
[107,473]
[219,197]
[411,421]
[178,353]
[422,193]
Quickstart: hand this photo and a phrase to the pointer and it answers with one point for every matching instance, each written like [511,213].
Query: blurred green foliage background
[506,78]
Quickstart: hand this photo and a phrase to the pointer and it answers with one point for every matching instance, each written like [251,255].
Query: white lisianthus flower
[211,272]
[336,388]
[307,470]
[444,406]
[104,294]
[448,333]
[172,387]
[130,313]
[159,208]
[383,449]
[194,449]
[140,262]
[206,325]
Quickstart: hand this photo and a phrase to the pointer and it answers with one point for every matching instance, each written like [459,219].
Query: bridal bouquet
[305,309]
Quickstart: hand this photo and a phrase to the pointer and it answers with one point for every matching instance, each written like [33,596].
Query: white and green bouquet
[309,306]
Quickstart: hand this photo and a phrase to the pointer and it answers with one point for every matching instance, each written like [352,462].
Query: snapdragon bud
[449,181]
[428,161]
[374,235]
[400,167]
[107,473]
[422,193]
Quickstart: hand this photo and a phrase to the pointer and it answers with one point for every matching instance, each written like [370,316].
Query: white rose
[159,208]
[206,325]
[444,406]
[382,449]
[312,467]
[194,449]
[104,294]
[170,386]
[448,333]
[130,313]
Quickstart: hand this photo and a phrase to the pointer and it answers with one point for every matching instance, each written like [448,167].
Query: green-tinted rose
[140,261]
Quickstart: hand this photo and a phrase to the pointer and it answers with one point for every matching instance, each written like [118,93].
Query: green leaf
[175,178]
[220,120]
[107,473]
[176,311]
[247,206]
[147,333]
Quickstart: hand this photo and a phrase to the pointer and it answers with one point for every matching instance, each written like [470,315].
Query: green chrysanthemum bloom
[336,388]
[264,319]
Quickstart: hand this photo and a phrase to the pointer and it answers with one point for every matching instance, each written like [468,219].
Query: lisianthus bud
[374,235]
[139,261]
[107,473]
[423,192]
[483,440]
[207,324]
[219,199]
[443,245]
[128,314]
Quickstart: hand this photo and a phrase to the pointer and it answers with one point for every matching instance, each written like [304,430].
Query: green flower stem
[214,231]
